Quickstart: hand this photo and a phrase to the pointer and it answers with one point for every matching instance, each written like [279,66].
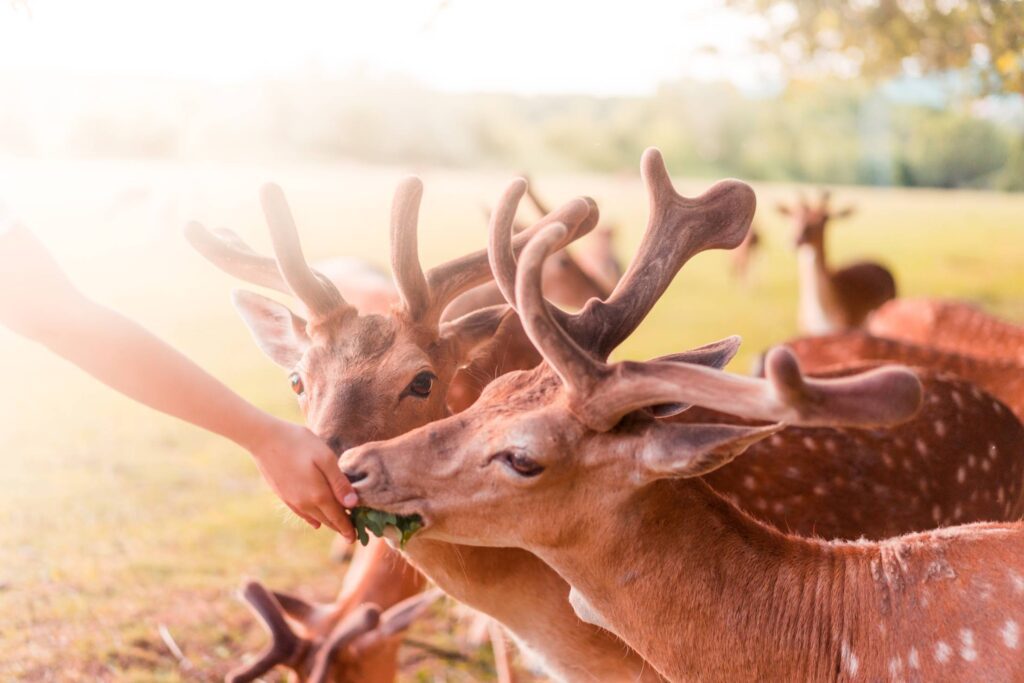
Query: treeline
[841,132]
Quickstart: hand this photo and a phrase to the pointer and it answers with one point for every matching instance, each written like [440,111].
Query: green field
[115,521]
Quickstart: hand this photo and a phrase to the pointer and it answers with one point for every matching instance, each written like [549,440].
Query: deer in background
[955,326]
[743,255]
[541,618]
[699,589]
[832,300]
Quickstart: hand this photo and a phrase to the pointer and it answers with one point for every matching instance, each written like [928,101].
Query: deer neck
[703,592]
[817,300]
[532,602]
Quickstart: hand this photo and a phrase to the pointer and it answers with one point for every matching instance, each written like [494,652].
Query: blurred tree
[881,37]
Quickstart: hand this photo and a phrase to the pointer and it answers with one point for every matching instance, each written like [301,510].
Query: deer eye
[297,386]
[522,465]
[421,384]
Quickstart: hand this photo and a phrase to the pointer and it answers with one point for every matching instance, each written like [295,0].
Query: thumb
[340,485]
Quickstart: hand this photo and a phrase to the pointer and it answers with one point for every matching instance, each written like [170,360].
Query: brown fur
[954,326]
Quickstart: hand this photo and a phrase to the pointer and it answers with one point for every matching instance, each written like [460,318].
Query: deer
[743,255]
[950,325]
[831,300]
[396,367]
[1003,379]
[545,623]
[567,462]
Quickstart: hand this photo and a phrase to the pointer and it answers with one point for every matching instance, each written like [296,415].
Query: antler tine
[226,250]
[678,228]
[283,641]
[541,207]
[578,370]
[454,277]
[880,397]
[362,620]
[317,293]
[499,239]
[405,259]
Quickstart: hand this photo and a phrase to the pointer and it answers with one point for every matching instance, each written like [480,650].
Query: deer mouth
[380,523]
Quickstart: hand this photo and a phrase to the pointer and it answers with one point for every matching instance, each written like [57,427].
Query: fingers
[339,483]
[332,513]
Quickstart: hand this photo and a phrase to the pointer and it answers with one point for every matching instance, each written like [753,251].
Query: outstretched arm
[39,302]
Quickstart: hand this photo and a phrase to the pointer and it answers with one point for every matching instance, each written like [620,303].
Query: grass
[115,521]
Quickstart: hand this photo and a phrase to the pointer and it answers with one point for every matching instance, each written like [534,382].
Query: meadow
[117,524]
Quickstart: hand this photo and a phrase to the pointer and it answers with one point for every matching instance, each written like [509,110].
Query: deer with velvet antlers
[565,461]
[830,299]
[492,580]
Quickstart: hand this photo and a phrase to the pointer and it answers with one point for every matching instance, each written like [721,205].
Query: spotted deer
[541,617]
[832,299]
[955,326]
[565,461]
[1003,379]
[365,377]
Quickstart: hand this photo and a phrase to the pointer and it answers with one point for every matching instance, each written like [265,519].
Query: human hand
[303,471]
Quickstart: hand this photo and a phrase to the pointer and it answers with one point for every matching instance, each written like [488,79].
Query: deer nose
[337,444]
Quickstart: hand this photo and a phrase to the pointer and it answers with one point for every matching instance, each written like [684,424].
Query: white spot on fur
[913,660]
[1018,581]
[820,490]
[748,481]
[985,465]
[936,514]
[993,452]
[958,511]
[895,666]
[888,461]
[921,446]
[940,428]
[1011,634]
[957,398]
[972,461]
[961,475]
[942,652]
[850,661]
[810,444]
[967,650]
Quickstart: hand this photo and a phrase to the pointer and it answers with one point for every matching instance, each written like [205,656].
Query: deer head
[363,377]
[576,429]
[317,642]
[809,220]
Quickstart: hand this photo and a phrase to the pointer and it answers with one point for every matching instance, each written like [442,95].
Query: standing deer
[564,461]
[492,580]
[832,300]
[950,325]
[743,255]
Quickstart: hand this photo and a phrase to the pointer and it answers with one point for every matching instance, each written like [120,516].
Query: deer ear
[468,333]
[714,355]
[673,451]
[784,209]
[278,332]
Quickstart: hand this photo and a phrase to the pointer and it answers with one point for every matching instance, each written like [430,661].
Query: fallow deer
[365,377]
[1003,379]
[743,255]
[950,325]
[832,299]
[565,461]
[486,578]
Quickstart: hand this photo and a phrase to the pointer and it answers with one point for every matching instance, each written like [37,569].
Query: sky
[526,46]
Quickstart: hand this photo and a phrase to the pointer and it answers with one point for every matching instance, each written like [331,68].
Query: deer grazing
[566,461]
[540,618]
[831,300]
[954,326]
